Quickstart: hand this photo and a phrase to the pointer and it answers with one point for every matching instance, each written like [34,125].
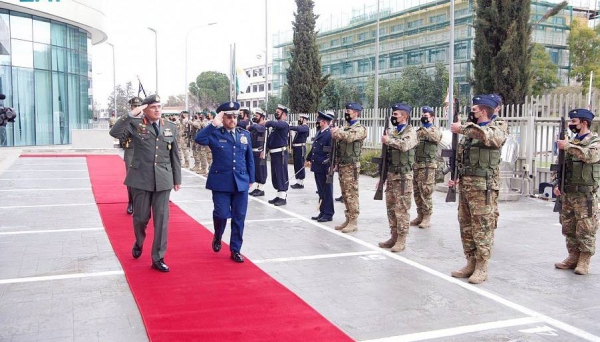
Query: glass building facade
[45,74]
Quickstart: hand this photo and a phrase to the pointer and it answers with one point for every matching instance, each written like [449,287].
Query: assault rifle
[560,168]
[332,155]
[383,162]
[452,155]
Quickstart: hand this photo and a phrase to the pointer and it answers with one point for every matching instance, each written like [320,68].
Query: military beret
[259,112]
[326,116]
[427,109]
[135,101]
[151,100]
[401,106]
[354,106]
[282,107]
[228,108]
[497,97]
[485,100]
[213,112]
[184,112]
[581,113]
[304,116]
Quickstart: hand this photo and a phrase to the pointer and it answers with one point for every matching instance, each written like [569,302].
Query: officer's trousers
[143,203]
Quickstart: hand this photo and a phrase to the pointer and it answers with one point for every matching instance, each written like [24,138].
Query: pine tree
[502,48]
[304,74]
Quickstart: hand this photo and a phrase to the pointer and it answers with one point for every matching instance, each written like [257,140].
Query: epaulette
[241,129]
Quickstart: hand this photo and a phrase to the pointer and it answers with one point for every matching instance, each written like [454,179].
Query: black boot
[219,225]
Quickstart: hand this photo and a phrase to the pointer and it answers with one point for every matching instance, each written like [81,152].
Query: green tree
[124,94]
[210,89]
[304,74]
[502,52]
[544,73]
[337,93]
[584,49]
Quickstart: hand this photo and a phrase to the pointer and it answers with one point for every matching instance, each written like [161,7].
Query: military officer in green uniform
[155,169]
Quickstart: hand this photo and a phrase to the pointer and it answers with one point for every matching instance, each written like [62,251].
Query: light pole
[266,60]
[156,56]
[114,80]
[186,62]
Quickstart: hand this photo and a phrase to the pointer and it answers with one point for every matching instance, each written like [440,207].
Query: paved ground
[60,279]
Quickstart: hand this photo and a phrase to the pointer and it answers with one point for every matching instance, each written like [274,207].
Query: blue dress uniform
[299,151]
[277,146]
[257,132]
[229,178]
[319,157]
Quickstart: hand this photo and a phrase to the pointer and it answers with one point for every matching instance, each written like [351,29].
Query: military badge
[244,140]
[168,132]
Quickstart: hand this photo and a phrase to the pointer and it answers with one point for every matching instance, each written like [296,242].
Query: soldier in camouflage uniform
[400,160]
[349,140]
[479,184]
[183,130]
[425,167]
[503,125]
[580,192]
[196,126]
[205,155]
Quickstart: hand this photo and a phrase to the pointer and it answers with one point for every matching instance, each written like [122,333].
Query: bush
[366,166]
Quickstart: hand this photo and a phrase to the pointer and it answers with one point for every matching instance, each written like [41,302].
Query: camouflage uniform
[424,173]
[503,125]
[204,155]
[349,149]
[196,127]
[183,141]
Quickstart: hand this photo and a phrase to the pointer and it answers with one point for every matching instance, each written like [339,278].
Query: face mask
[255,120]
[424,120]
[394,121]
[299,122]
[277,116]
[347,117]
[574,129]
[471,117]
[318,125]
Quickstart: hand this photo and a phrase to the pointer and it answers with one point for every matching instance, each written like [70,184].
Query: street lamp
[114,79]
[156,55]
[186,61]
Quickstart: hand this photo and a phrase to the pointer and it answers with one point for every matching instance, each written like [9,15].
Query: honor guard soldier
[580,192]
[350,140]
[244,118]
[231,175]
[503,125]
[257,131]
[277,147]
[478,157]
[299,150]
[195,127]
[155,169]
[401,152]
[318,159]
[183,129]
[127,146]
[425,166]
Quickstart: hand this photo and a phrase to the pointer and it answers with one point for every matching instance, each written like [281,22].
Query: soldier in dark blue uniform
[277,146]
[318,159]
[244,118]
[231,175]
[257,131]
[299,150]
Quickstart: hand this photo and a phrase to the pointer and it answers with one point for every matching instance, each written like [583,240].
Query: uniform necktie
[155,128]
[233,135]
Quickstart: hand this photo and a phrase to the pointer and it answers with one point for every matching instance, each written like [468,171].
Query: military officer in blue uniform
[318,159]
[257,131]
[277,146]
[299,150]
[231,175]
[244,118]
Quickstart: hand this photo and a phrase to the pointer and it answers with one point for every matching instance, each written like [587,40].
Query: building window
[437,55]
[396,60]
[362,36]
[334,42]
[554,55]
[261,87]
[396,28]
[414,58]
[269,86]
[347,40]
[414,24]
[437,19]
[460,50]
[364,65]
[254,88]
[348,67]
[254,104]
[254,72]
[269,70]
[261,71]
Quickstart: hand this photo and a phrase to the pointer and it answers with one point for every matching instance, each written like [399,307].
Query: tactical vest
[426,151]
[350,152]
[579,176]
[480,160]
[400,161]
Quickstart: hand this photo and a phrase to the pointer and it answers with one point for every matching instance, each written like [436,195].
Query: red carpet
[206,296]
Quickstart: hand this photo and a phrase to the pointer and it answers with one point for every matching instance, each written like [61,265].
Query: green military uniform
[154,170]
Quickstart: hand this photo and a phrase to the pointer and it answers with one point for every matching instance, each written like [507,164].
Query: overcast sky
[237,21]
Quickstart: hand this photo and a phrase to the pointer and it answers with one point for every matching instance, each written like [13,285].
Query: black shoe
[316,218]
[216,244]
[340,199]
[273,200]
[297,186]
[324,219]
[280,201]
[160,266]
[237,257]
[130,208]
[136,251]
[257,193]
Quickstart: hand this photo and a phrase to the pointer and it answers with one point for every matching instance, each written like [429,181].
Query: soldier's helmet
[135,101]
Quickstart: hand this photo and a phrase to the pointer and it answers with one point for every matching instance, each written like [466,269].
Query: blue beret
[427,109]
[282,107]
[497,97]
[325,116]
[354,106]
[485,100]
[151,99]
[228,107]
[581,113]
[401,106]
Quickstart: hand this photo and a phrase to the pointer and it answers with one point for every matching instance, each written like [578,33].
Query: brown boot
[466,271]
[400,243]
[425,222]
[481,273]
[343,225]
[569,263]
[583,265]
[417,220]
[391,242]
[352,226]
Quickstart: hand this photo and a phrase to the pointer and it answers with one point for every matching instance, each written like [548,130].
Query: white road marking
[314,257]
[51,231]
[79,170]
[22,179]
[190,201]
[60,277]
[64,189]
[51,164]
[46,205]
[426,335]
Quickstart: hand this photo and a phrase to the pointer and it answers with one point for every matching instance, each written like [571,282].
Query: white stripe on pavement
[60,277]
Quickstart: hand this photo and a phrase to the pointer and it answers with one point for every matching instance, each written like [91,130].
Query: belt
[257,150]
[298,145]
[279,149]
[586,189]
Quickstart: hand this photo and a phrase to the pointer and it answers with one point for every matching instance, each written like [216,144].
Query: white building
[253,96]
